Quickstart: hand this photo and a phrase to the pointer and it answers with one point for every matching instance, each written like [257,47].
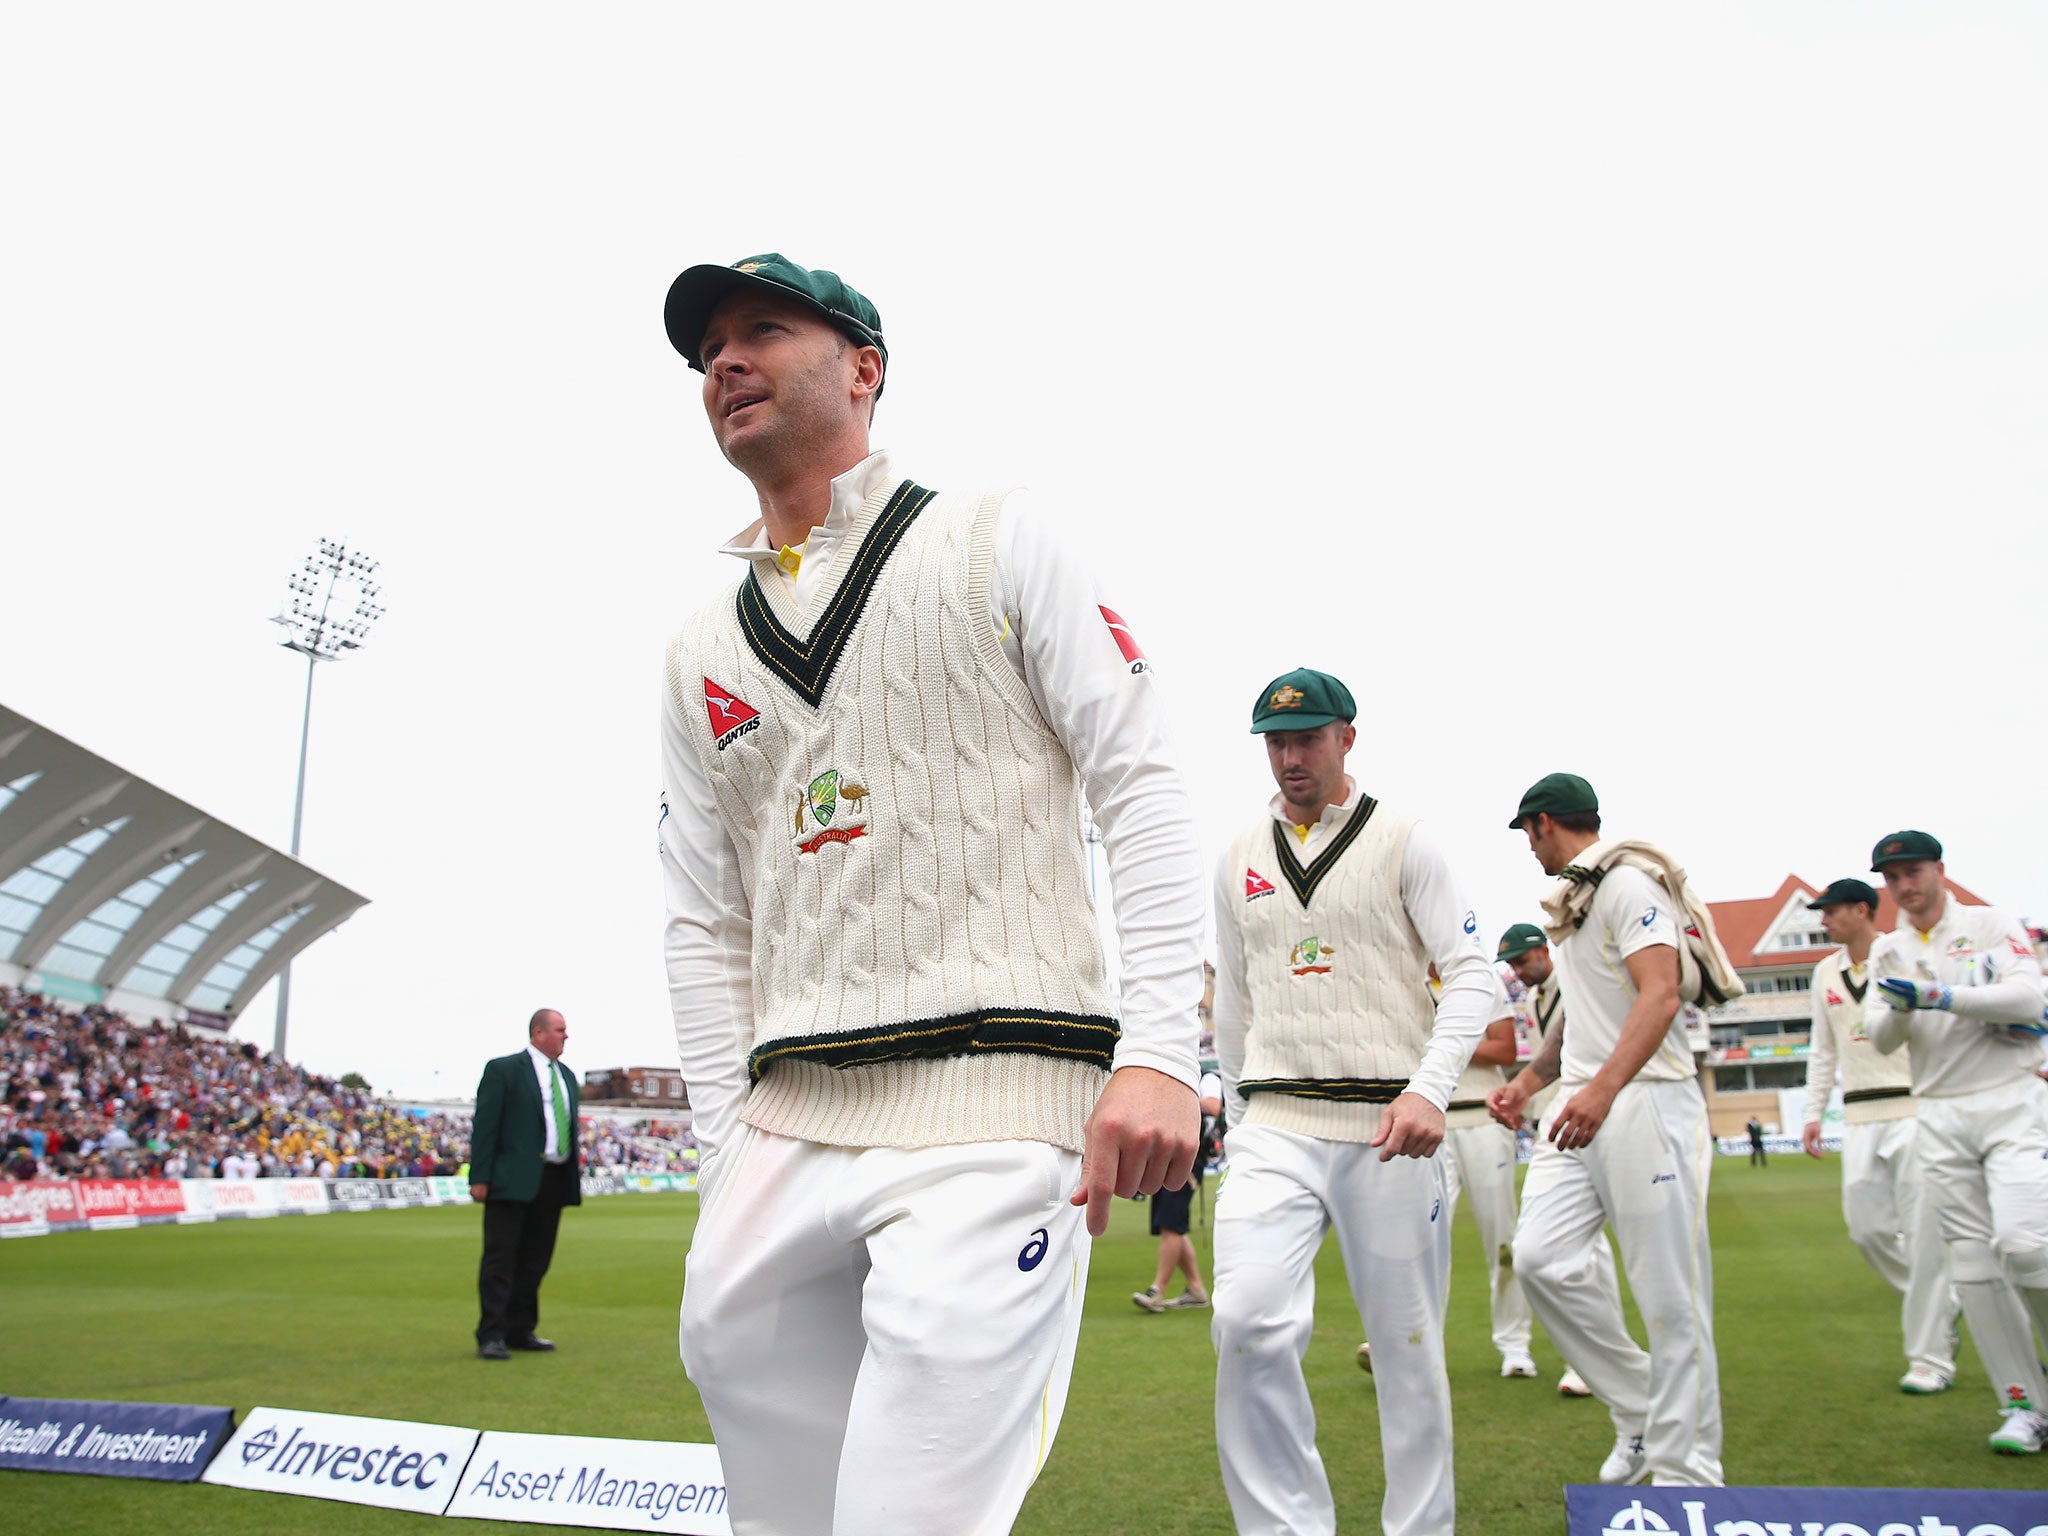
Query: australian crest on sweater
[925,956]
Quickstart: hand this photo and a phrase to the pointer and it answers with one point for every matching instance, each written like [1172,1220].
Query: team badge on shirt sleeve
[1311,957]
[1256,885]
[829,810]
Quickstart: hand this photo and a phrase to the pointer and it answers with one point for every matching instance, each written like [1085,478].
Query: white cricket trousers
[1643,1172]
[882,1337]
[1984,1164]
[1897,1232]
[1481,1159]
[1282,1193]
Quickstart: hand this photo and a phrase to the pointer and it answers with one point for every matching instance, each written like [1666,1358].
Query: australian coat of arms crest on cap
[1311,957]
[829,810]
[1287,696]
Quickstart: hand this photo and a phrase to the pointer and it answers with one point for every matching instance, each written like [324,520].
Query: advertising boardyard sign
[337,1456]
[1592,1510]
[620,1485]
[167,1442]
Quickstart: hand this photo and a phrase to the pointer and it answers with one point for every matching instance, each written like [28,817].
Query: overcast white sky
[1652,391]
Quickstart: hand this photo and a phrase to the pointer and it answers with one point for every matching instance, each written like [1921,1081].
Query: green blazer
[507,1135]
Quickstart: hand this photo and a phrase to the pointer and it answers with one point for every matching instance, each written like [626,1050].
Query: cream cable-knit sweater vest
[926,965]
[1874,1086]
[1335,975]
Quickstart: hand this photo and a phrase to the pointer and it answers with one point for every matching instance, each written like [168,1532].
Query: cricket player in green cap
[1626,1141]
[1962,986]
[915,1093]
[1891,1222]
[1330,910]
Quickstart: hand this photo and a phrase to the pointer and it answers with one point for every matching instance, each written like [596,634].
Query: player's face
[1532,968]
[1915,885]
[1544,842]
[550,1037]
[1309,765]
[1845,921]
[777,379]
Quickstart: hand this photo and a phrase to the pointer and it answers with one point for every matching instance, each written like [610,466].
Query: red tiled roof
[1740,924]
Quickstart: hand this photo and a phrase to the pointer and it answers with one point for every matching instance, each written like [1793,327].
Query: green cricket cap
[1899,847]
[1555,794]
[1843,893]
[693,295]
[1301,700]
[1519,940]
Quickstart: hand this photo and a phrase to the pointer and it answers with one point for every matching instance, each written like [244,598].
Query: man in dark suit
[523,1168]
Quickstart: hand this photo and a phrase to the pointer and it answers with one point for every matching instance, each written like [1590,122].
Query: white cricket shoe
[1923,1381]
[2022,1433]
[1517,1365]
[1149,1299]
[1572,1384]
[1625,1463]
[1365,1358]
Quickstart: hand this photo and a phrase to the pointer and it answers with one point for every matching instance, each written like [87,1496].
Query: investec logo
[341,1462]
[1634,1519]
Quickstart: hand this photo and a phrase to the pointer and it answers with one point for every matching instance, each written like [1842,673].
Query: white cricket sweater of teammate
[1988,958]
[1331,990]
[1874,1086]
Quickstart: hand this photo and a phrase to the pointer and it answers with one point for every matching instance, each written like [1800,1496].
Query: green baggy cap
[1843,893]
[1519,940]
[1902,846]
[693,295]
[1301,700]
[1555,794]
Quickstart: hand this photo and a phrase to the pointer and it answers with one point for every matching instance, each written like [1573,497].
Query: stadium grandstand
[90,1093]
[116,892]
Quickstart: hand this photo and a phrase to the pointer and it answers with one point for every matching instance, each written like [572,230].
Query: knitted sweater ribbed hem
[931,1102]
[1331,1119]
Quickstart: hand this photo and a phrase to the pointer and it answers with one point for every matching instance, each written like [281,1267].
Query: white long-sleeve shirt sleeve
[1107,712]
[1820,1059]
[1449,931]
[1228,1011]
[708,943]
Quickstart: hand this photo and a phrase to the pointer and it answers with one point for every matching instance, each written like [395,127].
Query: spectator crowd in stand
[90,1093]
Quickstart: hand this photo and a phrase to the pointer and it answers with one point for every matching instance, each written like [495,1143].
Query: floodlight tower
[331,606]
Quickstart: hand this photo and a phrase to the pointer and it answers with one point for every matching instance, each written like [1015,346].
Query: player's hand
[1903,992]
[479,1193]
[1411,1127]
[1581,1118]
[1809,1139]
[1506,1104]
[1141,1139]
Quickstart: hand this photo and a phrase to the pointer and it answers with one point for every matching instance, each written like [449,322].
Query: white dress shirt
[543,1070]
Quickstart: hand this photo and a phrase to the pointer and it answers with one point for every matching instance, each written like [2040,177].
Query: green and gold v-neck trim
[806,665]
[1303,879]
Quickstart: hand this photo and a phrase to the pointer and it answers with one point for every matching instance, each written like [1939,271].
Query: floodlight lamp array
[324,577]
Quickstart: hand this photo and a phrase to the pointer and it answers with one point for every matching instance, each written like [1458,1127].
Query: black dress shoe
[533,1341]
[493,1349]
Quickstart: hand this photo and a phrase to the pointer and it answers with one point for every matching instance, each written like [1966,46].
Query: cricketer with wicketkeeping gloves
[1961,986]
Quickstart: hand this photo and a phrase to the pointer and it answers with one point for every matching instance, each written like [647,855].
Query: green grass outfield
[371,1314]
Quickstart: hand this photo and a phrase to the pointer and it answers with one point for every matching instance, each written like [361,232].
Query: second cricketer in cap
[1330,908]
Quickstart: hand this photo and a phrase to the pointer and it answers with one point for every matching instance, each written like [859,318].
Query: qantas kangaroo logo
[1126,642]
[1256,885]
[730,715]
